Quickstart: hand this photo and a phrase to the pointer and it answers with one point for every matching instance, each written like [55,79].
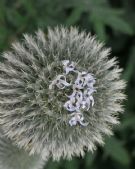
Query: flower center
[81,98]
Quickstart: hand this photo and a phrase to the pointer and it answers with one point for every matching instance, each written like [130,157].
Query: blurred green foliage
[113,21]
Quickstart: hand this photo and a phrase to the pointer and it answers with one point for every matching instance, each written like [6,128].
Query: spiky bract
[12,157]
[33,116]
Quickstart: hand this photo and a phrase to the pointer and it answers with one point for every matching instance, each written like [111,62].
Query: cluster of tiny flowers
[81,98]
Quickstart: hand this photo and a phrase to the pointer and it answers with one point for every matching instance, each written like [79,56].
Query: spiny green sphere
[59,93]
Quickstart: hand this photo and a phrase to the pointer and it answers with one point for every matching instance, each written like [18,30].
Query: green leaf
[119,24]
[128,122]
[130,67]
[99,28]
[52,165]
[96,3]
[16,19]
[30,7]
[110,17]
[75,16]
[89,158]
[72,164]
[114,148]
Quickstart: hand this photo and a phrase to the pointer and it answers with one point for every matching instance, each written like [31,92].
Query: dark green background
[113,21]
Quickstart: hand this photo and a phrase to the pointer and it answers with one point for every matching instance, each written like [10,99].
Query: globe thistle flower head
[60,93]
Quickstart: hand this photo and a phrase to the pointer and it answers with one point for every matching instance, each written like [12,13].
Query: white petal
[89,91]
[84,123]
[60,82]
[72,122]
[68,67]
[69,106]
[92,100]
[79,83]
[65,62]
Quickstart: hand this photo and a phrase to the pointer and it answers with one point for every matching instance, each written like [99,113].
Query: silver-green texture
[13,158]
[33,116]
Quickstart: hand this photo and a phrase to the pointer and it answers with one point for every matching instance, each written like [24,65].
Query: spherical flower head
[60,93]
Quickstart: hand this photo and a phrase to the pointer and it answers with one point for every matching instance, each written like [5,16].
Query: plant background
[113,21]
